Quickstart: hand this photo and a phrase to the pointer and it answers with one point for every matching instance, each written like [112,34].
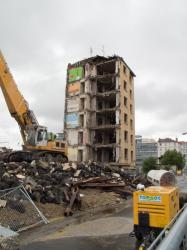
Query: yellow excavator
[37,142]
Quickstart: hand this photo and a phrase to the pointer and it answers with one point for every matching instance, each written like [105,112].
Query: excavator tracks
[29,156]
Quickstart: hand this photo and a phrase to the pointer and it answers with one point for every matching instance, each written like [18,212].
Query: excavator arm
[37,141]
[17,105]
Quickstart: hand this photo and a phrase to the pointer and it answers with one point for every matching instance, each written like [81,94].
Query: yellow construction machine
[37,142]
[155,206]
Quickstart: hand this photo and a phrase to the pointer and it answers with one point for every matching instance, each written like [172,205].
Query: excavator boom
[37,141]
[16,103]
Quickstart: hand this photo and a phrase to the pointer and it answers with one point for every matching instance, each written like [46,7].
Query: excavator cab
[36,135]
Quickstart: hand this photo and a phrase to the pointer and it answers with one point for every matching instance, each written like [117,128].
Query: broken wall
[73,104]
[72,137]
[72,153]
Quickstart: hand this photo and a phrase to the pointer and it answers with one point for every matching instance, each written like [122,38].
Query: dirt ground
[92,198]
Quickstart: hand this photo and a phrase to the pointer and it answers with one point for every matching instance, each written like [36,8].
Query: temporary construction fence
[17,210]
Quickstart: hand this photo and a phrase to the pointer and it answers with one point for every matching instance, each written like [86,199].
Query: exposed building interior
[98,110]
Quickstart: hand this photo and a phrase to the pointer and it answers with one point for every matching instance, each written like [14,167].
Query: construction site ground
[104,222]
[99,227]
[91,199]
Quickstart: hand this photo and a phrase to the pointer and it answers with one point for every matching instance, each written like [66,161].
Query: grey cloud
[167,101]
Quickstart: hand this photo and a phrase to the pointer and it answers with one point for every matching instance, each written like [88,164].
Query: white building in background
[168,144]
[147,147]
[183,149]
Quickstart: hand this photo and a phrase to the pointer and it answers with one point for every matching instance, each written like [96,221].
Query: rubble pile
[60,183]
[4,152]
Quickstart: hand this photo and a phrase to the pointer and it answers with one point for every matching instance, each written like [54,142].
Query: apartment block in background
[99,111]
[170,144]
[167,144]
[183,149]
[145,148]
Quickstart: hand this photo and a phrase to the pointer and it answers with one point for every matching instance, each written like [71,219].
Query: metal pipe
[176,235]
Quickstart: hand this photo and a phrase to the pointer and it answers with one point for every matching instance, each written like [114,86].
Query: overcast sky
[39,38]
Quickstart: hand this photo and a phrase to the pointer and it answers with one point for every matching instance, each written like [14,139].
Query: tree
[173,158]
[149,164]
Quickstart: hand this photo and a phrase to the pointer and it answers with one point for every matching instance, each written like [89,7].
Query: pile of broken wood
[60,183]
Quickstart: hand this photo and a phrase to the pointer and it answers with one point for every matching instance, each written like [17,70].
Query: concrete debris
[59,183]
[4,152]
[74,166]
[116,175]
[3,203]
[20,176]
[66,166]
[77,173]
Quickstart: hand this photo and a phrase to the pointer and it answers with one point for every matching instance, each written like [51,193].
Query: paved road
[111,232]
[182,183]
[115,242]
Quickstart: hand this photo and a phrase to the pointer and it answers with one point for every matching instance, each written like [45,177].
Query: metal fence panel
[17,210]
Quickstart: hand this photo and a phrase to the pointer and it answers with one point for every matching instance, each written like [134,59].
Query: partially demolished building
[99,111]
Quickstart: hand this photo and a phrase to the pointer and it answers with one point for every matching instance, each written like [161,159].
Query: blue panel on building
[72,120]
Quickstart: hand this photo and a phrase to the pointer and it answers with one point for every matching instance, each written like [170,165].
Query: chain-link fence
[17,210]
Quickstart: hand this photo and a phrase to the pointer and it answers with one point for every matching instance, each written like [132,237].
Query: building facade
[99,111]
[183,149]
[145,148]
[138,153]
[167,144]
[149,148]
